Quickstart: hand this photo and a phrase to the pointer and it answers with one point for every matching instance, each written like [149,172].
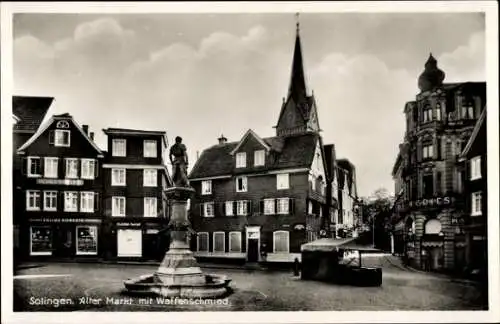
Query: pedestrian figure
[296,267]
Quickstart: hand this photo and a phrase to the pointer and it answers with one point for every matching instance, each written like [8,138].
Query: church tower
[298,113]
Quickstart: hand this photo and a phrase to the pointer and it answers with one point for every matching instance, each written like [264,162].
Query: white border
[490,7]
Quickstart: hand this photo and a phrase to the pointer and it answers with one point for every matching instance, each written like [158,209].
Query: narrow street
[253,290]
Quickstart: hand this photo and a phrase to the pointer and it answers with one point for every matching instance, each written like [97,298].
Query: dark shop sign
[65,220]
[431,202]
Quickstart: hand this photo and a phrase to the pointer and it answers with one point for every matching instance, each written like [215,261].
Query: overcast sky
[201,75]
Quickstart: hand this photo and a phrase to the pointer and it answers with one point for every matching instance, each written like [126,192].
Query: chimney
[222,140]
[91,135]
[85,129]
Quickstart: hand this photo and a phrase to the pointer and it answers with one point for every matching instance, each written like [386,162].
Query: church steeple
[298,112]
[298,88]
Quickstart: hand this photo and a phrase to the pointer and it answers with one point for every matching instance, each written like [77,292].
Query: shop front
[64,238]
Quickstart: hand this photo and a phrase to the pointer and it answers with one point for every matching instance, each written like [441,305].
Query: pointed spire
[297,89]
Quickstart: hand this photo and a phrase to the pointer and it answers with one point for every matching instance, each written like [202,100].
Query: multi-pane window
[70,201]
[88,169]
[207,209]
[203,242]
[150,209]
[269,206]
[50,200]
[219,242]
[475,168]
[32,200]
[61,137]
[235,242]
[259,157]
[241,160]
[150,178]
[118,206]
[428,151]
[206,187]
[119,147]
[427,114]
[242,207]
[150,148]
[34,166]
[50,167]
[438,112]
[229,208]
[241,184]
[468,111]
[476,200]
[118,177]
[281,242]
[282,205]
[87,202]
[282,181]
[71,168]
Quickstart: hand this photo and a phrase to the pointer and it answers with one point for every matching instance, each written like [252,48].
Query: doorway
[63,242]
[253,243]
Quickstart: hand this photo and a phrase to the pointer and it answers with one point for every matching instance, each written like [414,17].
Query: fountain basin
[213,287]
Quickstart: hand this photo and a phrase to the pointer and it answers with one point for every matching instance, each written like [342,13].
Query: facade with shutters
[58,192]
[259,199]
[430,208]
[135,209]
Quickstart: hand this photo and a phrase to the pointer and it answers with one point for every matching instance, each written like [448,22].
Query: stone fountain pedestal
[179,274]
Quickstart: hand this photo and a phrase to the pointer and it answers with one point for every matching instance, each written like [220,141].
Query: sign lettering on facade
[66,182]
[431,202]
[65,220]
[128,224]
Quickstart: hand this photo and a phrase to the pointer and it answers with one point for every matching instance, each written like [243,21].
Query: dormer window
[259,157]
[241,160]
[206,187]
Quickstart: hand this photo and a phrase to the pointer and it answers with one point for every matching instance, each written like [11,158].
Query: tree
[377,211]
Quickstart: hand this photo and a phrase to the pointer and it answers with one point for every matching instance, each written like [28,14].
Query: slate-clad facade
[135,208]
[59,191]
[258,199]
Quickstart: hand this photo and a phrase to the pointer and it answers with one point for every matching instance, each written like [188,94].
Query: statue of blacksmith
[179,159]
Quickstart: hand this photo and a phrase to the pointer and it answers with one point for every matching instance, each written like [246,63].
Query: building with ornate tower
[258,199]
[430,212]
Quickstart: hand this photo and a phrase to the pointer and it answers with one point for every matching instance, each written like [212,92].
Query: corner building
[258,199]
[429,179]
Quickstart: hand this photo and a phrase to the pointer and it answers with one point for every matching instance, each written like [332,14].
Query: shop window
[41,240]
[202,242]
[219,244]
[235,242]
[432,226]
[86,240]
[281,242]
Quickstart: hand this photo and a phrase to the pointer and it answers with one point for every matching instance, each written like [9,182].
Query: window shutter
[51,137]
[78,168]
[42,166]
[96,168]
[261,207]
[24,167]
[96,201]
[201,210]
[62,201]
[235,209]
[291,210]
[249,208]
[276,201]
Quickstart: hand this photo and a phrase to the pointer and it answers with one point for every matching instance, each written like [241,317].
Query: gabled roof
[54,118]
[295,151]
[257,137]
[480,122]
[30,111]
